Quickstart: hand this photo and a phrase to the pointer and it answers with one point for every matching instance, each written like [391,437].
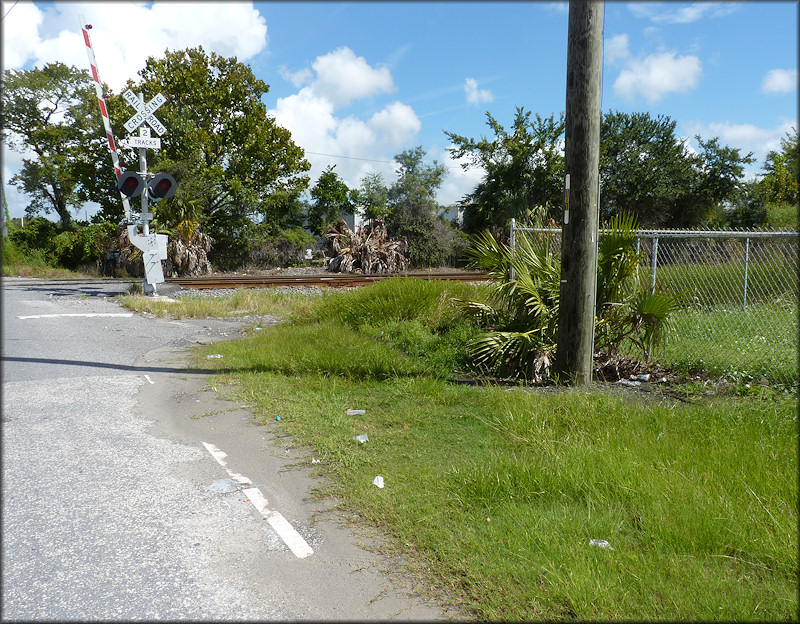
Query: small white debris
[601,543]
[355,412]
[378,481]
[215,356]
[361,438]
[629,383]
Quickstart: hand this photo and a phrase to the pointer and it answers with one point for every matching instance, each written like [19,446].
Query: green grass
[740,344]
[709,285]
[17,263]
[496,493]
[243,302]
[493,493]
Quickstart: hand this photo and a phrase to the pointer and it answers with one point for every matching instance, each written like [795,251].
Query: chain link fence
[738,291]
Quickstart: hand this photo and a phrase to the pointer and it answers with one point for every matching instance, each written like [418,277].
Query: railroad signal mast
[150,186]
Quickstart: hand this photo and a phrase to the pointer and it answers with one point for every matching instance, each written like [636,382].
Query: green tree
[330,200]
[780,182]
[718,183]
[648,172]
[371,199]
[524,171]
[45,110]
[747,210]
[228,155]
[413,211]
[645,170]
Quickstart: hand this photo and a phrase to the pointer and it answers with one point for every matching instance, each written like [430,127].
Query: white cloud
[745,137]
[229,29]
[660,13]
[299,78]
[657,75]
[356,146]
[20,33]
[780,81]
[475,95]
[557,7]
[458,182]
[343,77]
[616,48]
[397,124]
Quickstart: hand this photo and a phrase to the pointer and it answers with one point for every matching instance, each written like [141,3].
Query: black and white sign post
[153,246]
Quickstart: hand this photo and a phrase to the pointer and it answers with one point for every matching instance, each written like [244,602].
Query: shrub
[280,249]
[87,246]
[37,234]
[521,314]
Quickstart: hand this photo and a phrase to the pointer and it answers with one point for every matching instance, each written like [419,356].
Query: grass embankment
[496,493]
[742,345]
[726,334]
[17,263]
[243,302]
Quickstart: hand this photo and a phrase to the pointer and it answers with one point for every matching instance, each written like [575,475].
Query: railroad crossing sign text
[144,112]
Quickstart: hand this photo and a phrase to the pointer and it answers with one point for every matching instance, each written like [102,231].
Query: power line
[9,11]
[390,162]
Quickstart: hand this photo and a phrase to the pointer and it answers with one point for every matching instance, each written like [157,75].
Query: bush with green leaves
[37,234]
[72,248]
[270,248]
[415,317]
[521,312]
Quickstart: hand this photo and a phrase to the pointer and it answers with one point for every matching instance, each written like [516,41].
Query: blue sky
[357,83]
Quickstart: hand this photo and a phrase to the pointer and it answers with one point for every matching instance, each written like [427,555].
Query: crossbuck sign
[144,112]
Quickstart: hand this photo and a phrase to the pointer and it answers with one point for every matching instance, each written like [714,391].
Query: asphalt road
[132,489]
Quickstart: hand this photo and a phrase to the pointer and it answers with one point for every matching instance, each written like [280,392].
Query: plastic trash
[645,377]
[355,412]
[629,383]
[378,481]
[215,356]
[277,418]
[361,438]
[601,543]
[223,486]
[314,460]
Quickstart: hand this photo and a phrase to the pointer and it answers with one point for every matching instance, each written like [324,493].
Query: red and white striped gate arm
[98,87]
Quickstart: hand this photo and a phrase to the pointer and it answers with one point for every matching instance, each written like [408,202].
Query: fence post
[746,262]
[513,241]
[654,264]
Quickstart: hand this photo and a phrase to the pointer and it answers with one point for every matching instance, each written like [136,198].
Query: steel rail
[336,280]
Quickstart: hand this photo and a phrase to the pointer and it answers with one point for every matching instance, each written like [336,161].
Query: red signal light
[130,184]
[162,186]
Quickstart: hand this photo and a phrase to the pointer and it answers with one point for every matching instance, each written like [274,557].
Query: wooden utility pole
[581,162]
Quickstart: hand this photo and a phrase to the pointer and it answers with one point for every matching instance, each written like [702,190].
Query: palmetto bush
[521,313]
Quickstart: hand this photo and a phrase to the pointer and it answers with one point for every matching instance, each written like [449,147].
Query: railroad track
[335,280]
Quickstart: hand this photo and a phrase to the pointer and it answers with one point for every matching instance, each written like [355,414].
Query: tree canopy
[413,210]
[645,171]
[524,170]
[231,160]
[47,111]
[330,200]
[780,182]
[372,197]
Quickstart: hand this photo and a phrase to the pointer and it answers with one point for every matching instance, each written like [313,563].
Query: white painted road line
[85,314]
[282,526]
